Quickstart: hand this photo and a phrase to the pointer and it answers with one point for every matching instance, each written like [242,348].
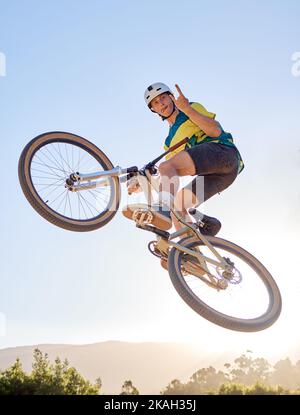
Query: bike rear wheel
[251,301]
[47,162]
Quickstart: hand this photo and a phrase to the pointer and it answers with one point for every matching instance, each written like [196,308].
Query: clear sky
[82,67]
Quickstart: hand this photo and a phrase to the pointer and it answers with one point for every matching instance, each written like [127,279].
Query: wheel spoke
[70,205]
[63,162]
[61,202]
[65,190]
[45,172]
[54,159]
[44,164]
[53,171]
[80,197]
[89,204]
[46,185]
[242,294]
[51,166]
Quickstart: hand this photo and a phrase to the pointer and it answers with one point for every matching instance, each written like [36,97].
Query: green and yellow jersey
[184,127]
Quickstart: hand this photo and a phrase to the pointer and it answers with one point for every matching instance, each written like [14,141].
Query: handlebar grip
[133,169]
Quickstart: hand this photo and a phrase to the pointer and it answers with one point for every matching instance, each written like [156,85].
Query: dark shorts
[216,168]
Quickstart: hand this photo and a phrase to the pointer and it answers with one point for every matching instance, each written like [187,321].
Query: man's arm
[210,126]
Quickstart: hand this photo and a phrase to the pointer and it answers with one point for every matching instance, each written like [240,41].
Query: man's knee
[165,167]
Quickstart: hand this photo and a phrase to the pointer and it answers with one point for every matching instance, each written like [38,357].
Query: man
[210,155]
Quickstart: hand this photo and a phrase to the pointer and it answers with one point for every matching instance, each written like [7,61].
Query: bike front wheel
[247,300]
[46,164]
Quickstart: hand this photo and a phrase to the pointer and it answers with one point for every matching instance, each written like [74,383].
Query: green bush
[45,379]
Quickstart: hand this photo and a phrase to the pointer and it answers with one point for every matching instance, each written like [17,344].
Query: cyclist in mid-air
[210,155]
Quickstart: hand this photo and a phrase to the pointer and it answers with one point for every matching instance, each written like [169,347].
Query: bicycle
[71,183]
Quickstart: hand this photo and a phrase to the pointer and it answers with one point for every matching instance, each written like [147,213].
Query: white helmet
[154,90]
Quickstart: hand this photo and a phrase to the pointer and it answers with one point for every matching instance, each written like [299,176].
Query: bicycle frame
[190,228]
[148,183]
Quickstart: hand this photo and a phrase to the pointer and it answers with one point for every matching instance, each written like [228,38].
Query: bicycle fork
[79,181]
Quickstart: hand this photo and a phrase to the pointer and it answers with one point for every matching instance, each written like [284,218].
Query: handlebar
[131,171]
[184,141]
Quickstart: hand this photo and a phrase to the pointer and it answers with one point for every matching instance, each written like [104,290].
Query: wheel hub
[71,180]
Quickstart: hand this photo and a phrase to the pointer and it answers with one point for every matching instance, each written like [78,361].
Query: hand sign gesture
[182,103]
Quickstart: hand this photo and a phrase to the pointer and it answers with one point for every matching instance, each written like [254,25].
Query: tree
[246,376]
[255,389]
[262,389]
[206,379]
[231,389]
[15,380]
[247,370]
[129,389]
[201,382]
[45,379]
[175,387]
[285,374]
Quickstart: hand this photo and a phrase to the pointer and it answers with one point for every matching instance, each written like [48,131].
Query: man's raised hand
[182,103]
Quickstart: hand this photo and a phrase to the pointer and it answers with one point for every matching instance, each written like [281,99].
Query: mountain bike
[71,183]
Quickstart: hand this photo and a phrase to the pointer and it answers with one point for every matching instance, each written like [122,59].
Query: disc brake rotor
[233,276]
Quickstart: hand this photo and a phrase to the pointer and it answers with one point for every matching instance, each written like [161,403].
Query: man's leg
[170,170]
[184,200]
[179,165]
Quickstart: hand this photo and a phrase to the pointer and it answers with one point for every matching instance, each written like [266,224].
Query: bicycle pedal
[142,216]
